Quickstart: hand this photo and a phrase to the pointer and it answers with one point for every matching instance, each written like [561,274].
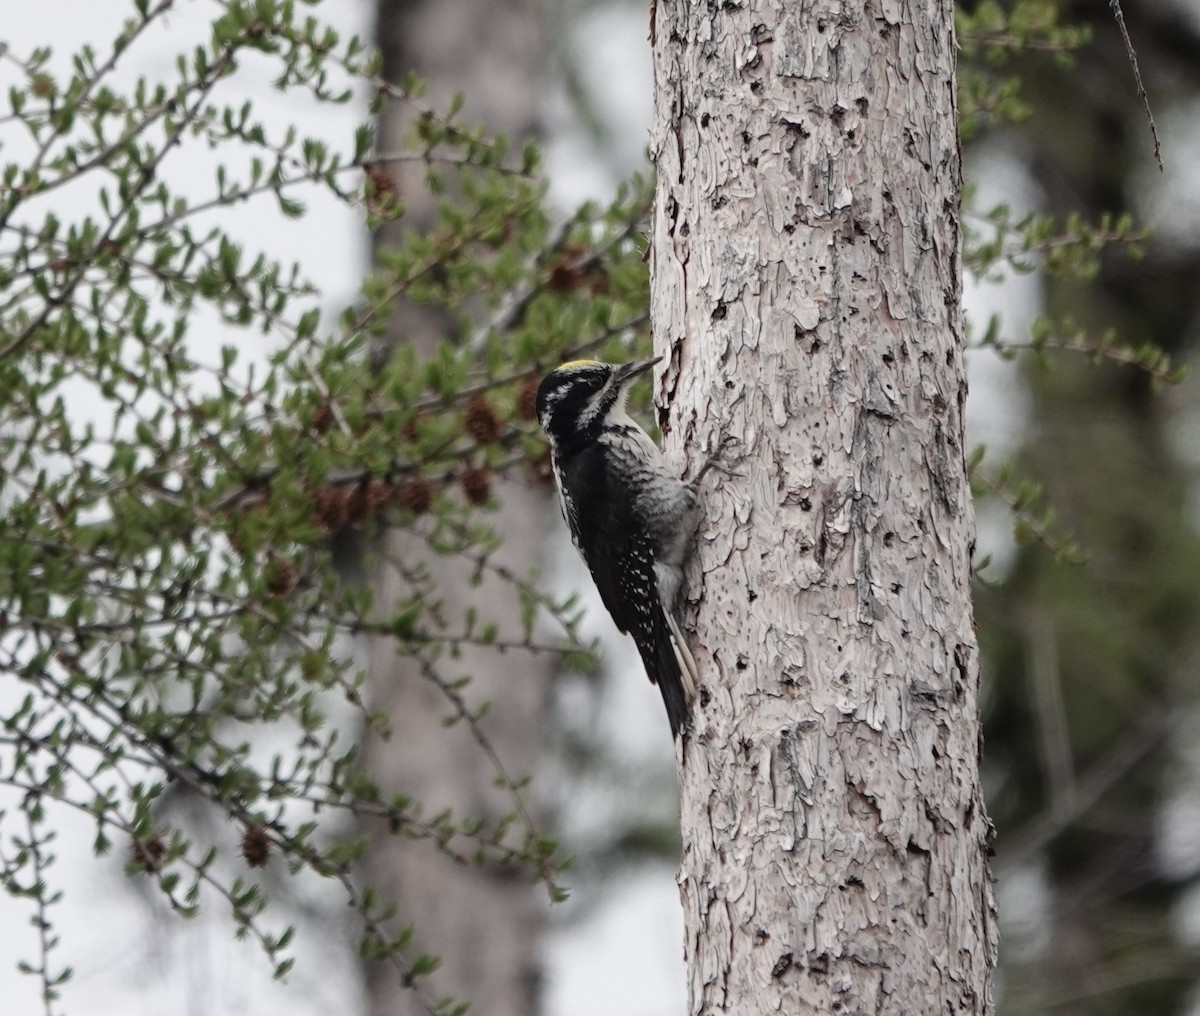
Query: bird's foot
[714,462]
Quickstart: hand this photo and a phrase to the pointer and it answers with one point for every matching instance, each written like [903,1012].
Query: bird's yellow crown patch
[572,364]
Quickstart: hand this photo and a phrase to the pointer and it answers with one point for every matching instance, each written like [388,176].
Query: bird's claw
[714,462]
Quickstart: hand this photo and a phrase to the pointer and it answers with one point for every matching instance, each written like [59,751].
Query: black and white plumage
[631,519]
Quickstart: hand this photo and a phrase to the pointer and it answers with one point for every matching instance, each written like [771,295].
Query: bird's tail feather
[671,666]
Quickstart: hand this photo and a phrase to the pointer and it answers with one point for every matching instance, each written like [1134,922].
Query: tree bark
[806,289]
[483,923]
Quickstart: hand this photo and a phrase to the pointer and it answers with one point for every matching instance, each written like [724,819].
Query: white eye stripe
[595,405]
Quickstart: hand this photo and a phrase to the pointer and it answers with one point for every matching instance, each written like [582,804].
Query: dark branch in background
[1089,788]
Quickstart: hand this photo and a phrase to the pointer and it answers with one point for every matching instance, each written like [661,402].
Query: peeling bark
[806,288]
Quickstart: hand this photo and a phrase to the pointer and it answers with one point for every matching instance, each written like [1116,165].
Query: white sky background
[129,961]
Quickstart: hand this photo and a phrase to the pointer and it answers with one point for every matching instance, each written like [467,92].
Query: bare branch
[1137,76]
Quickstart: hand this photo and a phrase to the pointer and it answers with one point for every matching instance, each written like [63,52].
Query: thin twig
[41,893]
[1137,76]
[203,87]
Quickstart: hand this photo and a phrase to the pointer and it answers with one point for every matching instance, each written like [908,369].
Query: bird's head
[575,400]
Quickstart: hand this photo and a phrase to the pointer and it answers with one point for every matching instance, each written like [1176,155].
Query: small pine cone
[282,576]
[358,505]
[256,846]
[383,191]
[148,853]
[481,421]
[476,483]
[323,418]
[527,399]
[415,494]
[331,510]
[565,273]
[563,277]
[379,495]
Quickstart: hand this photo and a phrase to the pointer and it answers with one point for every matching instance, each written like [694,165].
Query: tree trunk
[483,923]
[806,286]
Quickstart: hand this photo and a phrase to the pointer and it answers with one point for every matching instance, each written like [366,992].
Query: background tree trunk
[484,923]
[806,285]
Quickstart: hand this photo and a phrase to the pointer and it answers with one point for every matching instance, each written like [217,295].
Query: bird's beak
[628,371]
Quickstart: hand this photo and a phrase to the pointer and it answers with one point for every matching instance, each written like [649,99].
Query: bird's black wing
[620,554]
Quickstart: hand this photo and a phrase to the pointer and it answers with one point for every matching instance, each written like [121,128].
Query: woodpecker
[631,519]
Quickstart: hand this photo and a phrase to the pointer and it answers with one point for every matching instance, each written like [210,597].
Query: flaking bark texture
[484,923]
[806,286]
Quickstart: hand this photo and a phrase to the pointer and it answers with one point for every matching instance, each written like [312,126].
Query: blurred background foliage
[1090,654]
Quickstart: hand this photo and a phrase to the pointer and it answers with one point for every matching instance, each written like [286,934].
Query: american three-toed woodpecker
[631,519]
